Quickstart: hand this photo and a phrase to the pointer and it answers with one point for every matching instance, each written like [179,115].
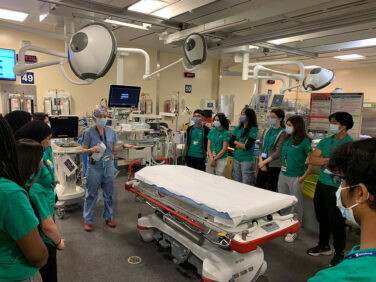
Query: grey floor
[102,255]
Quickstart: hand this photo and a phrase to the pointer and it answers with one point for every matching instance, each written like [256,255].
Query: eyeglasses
[337,178]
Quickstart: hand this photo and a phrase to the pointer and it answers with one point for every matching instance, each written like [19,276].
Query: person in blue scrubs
[100,173]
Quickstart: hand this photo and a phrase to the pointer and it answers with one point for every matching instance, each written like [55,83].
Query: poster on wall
[351,103]
[319,112]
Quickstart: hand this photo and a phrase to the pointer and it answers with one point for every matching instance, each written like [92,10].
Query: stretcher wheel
[61,213]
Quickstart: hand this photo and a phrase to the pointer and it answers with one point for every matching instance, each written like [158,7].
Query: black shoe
[337,258]
[319,250]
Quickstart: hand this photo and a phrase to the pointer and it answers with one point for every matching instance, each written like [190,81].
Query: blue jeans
[243,172]
[98,177]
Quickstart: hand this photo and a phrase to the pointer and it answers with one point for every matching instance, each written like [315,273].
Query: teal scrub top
[327,146]
[361,268]
[217,138]
[240,154]
[44,199]
[196,148]
[294,157]
[269,139]
[17,219]
[46,176]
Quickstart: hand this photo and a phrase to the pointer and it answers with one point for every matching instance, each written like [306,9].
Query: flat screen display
[64,126]
[124,96]
[7,62]
[277,100]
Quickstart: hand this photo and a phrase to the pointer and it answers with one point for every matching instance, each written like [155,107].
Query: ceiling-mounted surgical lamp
[317,79]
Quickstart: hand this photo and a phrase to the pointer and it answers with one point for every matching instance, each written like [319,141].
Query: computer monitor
[124,96]
[7,62]
[64,126]
[277,101]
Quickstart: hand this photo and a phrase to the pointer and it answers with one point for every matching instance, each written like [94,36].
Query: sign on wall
[27,78]
[188,88]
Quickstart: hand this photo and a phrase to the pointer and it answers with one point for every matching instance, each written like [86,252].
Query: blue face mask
[289,130]
[217,124]
[102,122]
[196,120]
[272,121]
[242,118]
[334,129]
[346,212]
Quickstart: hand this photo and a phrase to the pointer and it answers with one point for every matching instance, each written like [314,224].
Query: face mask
[272,121]
[217,124]
[346,212]
[102,122]
[334,129]
[243,118]
[288,130]
[196,120]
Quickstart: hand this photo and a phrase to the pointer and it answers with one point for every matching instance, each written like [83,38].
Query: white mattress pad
[240,201]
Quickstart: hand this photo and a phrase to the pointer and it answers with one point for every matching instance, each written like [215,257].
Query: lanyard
[361,254]
[268,137]
[216,140]
[104,134]
[287,151]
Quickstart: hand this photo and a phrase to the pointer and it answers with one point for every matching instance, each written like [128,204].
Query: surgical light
[350,57]
[144,26]
[147,6]
[12,15]
[317,79]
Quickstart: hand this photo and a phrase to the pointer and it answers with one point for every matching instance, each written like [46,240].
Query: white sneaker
[291,237]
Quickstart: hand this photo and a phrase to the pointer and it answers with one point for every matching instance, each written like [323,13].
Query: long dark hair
[30,154]
[223,120]
[17,119]
[280,114]
[252,120]
[36,130]
[8,154]
[299,133]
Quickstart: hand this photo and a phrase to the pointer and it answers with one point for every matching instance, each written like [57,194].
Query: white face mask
[347,212]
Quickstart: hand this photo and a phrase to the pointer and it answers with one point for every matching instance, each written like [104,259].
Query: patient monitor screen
[124,96]
[64,126]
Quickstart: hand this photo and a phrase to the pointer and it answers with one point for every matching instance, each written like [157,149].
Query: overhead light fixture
[42,17]
[253,47]
[277,41]
[311,67]
[368,42]
[12,15]
[147,6]
[349,57]
[144,26]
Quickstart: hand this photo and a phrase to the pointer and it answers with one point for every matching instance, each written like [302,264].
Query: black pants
[197,163]
[329,217]
[268,179]
[49,271]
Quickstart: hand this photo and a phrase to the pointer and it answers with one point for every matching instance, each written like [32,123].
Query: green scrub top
[217,138]
[17,219]
[269,139]
[327,146]
[46,175]
[240,154]
[294,157]
[196,148]
[44,200]
[361,268]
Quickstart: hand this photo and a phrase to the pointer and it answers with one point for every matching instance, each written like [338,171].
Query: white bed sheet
[238,200]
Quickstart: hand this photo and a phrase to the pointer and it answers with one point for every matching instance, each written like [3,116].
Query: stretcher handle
[130,168]
[163,159]
[186,219]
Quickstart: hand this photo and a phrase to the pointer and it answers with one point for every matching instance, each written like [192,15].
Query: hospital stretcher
[211,222]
